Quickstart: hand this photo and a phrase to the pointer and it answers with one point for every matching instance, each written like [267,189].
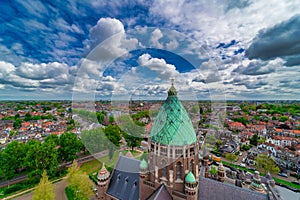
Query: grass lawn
[113,161]
[277,180]
[95,165]
[91,166]
[69,193]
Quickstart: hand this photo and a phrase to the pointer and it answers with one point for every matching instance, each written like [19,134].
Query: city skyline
[222,50]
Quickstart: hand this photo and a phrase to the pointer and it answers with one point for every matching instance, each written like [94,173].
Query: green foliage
[128,126]
[111,119]
[266,163]
[283,118]
[12,159]
[27,117]
[44,190]
[95,140]
[69,145]
[245,147]
[142,114]
[79,182]
[52,138]
[113,134]
[86,115]
[254,140]
[230,156]
[213,171]
[243,120]
[100,117]
[17,123]
[8,118]
[69,193]
[132,141]
[40,157]
[211,139]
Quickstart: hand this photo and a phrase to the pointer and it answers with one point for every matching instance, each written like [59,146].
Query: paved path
[59,188]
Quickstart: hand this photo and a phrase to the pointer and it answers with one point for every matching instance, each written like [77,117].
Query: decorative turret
[256,183]
[103,175]
[221,172]
[143,169]
[103,180]
[191,184]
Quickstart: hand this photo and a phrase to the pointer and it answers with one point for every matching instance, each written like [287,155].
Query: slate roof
[124,183]
[214,190]
[161,193]
[172,125]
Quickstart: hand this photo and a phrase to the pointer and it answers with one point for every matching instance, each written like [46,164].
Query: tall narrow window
[164,168]
[191,165]
[178,170]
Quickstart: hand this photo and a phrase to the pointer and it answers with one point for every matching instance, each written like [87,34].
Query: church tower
[103,180]
[172,153]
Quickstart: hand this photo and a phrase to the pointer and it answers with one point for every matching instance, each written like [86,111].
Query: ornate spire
[172,91]
[103,175]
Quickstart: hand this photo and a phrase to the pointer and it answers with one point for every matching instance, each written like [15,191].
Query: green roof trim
[172,125]
[143,164]
[190,178]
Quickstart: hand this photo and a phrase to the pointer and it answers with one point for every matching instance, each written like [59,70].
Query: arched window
[191,165]
[164,168]
[178,170]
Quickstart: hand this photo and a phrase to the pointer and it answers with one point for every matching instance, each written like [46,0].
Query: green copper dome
[190,178]
[143,164]
[172,125]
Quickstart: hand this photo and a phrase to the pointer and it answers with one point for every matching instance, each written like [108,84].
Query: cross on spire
[172,81]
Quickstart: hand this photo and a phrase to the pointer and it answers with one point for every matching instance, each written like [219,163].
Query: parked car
[296,182]
[283,175]
[242,165]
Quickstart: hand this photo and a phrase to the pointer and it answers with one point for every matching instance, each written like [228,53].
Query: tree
[283,118]
[44,190]
[266,164]
[79,182]
[254,140]
[27,117]
[230,156]
[69,145]
[12,159]
[53,138]
[95,140]
[40,157]
[132,141]
[113,134]
[218,143]
[17,123]
[213,171]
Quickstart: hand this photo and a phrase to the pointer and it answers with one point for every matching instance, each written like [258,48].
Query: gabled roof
[215,190]
[172,125]
[124,183]
[161,193]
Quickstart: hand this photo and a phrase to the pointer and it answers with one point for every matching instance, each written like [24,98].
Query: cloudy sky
[222,49]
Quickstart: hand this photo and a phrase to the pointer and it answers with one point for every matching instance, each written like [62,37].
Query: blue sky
[248,50]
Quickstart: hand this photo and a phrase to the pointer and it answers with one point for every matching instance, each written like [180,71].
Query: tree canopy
[79,182]
[266,163]
[44,190]
[230,156]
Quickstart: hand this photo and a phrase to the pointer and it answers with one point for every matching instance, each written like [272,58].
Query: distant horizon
[136,100]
